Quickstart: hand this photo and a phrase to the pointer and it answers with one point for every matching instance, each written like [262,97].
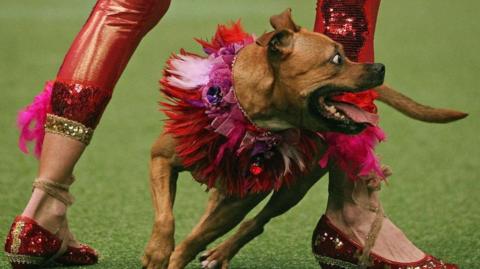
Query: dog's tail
[415,110]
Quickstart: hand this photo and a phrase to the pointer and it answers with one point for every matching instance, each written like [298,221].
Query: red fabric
[351,23]
[224,35]
[99,54]
[35,241]
[78,102]
[217,159]
[329,241]
[369,10]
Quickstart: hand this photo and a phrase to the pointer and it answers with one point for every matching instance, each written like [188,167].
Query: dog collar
[216,139]
[214,135]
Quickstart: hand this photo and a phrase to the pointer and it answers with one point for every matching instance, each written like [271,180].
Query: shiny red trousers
[352,24]
[99,54]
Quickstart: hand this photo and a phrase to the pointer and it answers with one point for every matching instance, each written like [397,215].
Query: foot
[217,258]
[335,249]
[51,214]
[355,218]
[72,241]
[156,256]
[44,224]
[159,247]
[29,245]
[391,243]
[353,207]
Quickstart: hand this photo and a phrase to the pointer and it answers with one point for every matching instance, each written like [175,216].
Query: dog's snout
[379,68]
[373,76]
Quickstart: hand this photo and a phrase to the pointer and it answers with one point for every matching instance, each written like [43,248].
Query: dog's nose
[378,68]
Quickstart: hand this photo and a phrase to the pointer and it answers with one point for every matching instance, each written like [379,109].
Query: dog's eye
[337,59]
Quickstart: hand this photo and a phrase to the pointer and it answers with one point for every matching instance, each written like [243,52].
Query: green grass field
[431,52]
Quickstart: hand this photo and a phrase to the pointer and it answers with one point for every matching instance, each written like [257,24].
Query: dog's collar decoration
[216,139]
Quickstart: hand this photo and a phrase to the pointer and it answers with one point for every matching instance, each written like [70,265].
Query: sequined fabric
[80,103]
[98,56]
[31,241]
[28,243]
[72,129]
[333,249]
[78,255]
[351,23]
[346,24]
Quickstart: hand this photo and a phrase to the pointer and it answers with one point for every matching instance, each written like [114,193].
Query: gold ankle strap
[364,259]
[56,190]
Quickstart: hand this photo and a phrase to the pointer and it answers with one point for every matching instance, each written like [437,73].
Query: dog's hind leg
[280,202]
[223,213]
[164,170]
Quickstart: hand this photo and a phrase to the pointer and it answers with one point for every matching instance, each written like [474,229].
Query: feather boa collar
[217,140]
[214,136]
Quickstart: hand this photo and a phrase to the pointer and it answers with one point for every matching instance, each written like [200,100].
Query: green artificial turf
[430,48]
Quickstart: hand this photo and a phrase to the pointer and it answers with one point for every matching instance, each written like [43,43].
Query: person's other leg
[349,208]
[83,87]
[80,93]
[353,23]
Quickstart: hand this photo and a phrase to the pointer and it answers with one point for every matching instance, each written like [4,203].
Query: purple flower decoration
[214,95]
[220,76]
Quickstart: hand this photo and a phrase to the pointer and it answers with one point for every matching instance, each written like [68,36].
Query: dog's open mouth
[339,116]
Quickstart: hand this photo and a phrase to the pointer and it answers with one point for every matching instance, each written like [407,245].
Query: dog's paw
[155,260]
[156,257]
[215,259]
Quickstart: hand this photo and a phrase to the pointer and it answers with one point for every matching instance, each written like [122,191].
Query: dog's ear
[280,43]
[284,21]
[264,39]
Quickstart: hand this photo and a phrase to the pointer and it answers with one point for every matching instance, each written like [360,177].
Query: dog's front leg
[163,180]
[280,202]
[223,213]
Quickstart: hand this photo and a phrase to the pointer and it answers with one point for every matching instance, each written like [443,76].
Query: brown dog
[283,81]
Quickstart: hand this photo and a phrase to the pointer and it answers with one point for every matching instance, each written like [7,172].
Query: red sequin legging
[98,56]
[352,24]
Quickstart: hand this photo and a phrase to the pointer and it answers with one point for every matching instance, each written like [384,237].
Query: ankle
[351,217]
[46,210]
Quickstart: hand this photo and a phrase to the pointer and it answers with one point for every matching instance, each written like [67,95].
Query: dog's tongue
[356,114]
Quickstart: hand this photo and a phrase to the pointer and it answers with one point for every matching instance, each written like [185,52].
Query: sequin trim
[24,259]
[78,102]
[16,241]
[347,24]
[334,262]
[69,128]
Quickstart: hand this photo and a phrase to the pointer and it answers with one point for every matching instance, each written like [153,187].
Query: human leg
[355,233]
[352,23]
[80,93]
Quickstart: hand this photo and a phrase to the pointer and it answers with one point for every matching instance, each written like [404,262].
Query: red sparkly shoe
[334,250]
[29,246]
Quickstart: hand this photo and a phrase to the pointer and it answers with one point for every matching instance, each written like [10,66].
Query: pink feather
[31,121]
[354,154]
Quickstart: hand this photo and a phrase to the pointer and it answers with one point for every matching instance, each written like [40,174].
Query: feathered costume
[213,135]
[216,139]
